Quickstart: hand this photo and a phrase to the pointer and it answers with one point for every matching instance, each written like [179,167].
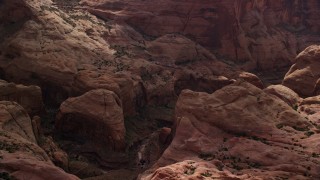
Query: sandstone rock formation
[51,46]
[310,107]
[116,69]
[96,116]
[304,75]
[54,152]
[239,131]
[252,34]
[191,169]
[251,78]
[30,97]
[285,94]
[70,53]
[21,157]
[16,120]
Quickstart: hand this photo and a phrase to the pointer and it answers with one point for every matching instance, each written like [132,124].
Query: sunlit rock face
[67,52]
[240,132]
[261,34]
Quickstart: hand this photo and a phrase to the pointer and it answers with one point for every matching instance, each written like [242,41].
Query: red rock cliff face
[253,34]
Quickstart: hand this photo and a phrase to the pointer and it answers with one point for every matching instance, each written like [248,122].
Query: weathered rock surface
[251,78]
[67,52]
[96,116]
[242,132]
[310,107]
[55,50]
[261,34]
[146,54]
[29,97]
[121,84]
[16,120]
[56,155]
[284,93]
[21,157]
[303,76]
[193,170]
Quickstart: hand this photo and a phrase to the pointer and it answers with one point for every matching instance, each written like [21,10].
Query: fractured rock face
[96,116]
[304,75]
[239,129]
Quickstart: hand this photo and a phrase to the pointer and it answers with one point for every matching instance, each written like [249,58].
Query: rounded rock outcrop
[304,74]
[96,117]
[284,93]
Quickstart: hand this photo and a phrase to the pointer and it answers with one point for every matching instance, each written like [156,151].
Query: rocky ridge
[217,137]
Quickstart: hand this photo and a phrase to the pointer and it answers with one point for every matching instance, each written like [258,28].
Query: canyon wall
[252,34]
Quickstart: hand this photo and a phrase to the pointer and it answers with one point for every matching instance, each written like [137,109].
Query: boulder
[304,73]
[251,78]
[284,93]
[96,117]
